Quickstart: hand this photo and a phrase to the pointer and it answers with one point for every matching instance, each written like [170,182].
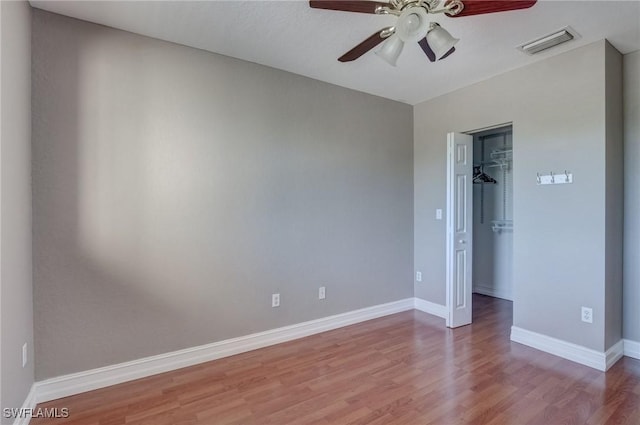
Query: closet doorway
[479,219]
[493,213]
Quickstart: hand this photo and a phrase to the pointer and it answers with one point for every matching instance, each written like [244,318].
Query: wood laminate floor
[407,368]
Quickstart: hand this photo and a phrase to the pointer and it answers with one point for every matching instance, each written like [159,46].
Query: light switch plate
[24,355]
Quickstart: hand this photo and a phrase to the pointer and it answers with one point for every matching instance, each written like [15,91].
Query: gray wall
[175,190]
[557,107]
[631,63]
[614,195]
[15,201]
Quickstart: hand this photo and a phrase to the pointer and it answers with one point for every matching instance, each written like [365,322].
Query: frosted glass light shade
[391,49]
[440,41]
[412,24]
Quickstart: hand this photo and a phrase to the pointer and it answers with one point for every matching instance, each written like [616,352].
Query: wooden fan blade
[479,7]
[362,48]
[361,6]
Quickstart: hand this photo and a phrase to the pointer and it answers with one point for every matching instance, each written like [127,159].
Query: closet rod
[499,133]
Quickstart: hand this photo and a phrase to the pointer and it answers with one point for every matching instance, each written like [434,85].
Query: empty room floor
[407,368]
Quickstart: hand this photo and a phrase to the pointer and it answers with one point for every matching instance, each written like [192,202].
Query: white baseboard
[632,349]
[431,308]
[613,354]
[76,383]
[567,350]
[28,405]
[493,292]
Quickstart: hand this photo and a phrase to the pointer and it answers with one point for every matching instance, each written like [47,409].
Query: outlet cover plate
[275,300]
[587,315]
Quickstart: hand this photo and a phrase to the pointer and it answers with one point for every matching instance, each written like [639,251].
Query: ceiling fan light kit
[413,23]
[440,41]
[391,49]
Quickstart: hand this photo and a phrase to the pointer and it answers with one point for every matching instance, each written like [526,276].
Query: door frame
[450,234]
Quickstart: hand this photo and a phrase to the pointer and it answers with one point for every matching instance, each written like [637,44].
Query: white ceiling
[289,35]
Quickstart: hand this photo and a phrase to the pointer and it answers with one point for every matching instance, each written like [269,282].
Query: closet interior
[493,213]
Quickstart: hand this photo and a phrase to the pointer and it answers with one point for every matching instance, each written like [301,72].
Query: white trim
[493,292]
[458,316]
[614,353]
[449,234]
[431,308]
[567,350]
[29,403]
[76,383]
[491,127]
[632,349]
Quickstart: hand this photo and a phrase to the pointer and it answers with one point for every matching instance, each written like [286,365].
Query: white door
[459,228]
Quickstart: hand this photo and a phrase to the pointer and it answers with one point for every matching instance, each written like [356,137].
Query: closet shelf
[500,158]
[499,226]
[505,151]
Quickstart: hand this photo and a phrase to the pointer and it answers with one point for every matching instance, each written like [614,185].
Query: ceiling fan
[413,23]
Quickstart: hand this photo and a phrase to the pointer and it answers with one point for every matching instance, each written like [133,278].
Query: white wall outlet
[24,354]
[587,315]
[438,214]
[418,276]
[275,300]
[321,293]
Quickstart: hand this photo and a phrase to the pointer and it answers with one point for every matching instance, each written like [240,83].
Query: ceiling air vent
[548,41]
